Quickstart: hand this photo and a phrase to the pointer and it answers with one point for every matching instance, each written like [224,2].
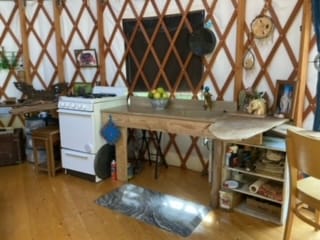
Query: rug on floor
[164,211]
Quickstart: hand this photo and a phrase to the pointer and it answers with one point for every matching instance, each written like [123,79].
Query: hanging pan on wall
[202,41]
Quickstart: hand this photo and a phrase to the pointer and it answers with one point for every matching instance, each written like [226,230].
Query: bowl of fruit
[159,98]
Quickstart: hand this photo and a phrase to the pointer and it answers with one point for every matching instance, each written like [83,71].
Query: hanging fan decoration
[262,26]
[249,58]
[110,132]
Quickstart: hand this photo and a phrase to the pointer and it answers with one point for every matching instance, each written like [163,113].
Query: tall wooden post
[241,11]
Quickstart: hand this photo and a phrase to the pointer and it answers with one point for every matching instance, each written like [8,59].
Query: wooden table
[182,118]
[36,106]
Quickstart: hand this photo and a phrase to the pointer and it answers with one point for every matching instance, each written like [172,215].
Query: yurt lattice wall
[46,33]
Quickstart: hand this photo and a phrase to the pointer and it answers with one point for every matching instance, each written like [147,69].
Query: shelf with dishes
[256,174]
[253,179]
[273,191]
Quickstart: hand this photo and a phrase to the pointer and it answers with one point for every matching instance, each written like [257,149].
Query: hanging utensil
[202,41]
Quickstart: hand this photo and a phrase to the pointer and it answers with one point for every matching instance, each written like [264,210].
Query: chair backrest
[303,151]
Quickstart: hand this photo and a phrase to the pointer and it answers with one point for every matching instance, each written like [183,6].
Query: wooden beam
[303,62]
[57,27]
[24,38]
[238,85]
[102,57]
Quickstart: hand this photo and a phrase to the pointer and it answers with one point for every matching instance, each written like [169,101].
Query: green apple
[165,95]
[157,95]
[150,95]
[160,90]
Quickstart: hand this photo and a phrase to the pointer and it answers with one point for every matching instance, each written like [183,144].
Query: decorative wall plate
[262,27]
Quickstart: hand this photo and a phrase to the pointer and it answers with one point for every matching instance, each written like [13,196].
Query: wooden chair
[303,152]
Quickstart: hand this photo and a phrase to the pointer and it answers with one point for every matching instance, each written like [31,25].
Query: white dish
[231,184]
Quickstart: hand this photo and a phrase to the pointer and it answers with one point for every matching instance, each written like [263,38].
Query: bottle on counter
[114,170]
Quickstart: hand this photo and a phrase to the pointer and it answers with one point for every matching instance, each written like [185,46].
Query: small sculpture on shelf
[207,99]
[253,102]
[257,107]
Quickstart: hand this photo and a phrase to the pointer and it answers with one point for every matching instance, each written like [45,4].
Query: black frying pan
[202,41]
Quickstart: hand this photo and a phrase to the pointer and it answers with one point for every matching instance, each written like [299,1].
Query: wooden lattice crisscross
[105,9]
[221,47]
[8,32]
[281,40]
[43,42]
[76,32]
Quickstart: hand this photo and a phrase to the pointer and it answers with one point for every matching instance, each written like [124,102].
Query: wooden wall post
[241,11]
[24,40]
[303,62]
[100,23]
[57,27]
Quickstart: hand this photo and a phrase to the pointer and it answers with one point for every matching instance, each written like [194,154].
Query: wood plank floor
[35,206]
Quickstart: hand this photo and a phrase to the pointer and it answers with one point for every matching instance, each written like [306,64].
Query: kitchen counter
[183,117]
[35,106]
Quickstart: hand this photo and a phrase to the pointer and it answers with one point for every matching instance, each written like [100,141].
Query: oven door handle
[74,112]
[77,155]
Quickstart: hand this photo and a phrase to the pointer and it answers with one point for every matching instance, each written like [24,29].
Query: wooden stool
[46,138]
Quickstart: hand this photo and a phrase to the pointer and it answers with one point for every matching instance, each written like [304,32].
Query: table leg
[122,156]
[217,168]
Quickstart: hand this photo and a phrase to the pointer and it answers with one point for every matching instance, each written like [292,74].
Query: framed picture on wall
[86,57]
[284,99]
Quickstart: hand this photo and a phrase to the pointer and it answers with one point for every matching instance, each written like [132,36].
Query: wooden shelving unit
[255,204]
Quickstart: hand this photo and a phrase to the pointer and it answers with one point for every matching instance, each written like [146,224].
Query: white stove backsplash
[119,91]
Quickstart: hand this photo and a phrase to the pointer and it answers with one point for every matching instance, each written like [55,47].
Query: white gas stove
[80,123]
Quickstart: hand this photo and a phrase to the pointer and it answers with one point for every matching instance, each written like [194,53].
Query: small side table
[46,138]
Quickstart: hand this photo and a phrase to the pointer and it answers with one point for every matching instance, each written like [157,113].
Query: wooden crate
[11,146]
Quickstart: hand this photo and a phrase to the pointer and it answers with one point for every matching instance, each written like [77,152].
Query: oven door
[79,131]
[77,161]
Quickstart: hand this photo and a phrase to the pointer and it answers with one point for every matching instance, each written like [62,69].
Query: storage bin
[229,200]
[34,123]
[264,206]
[12,143]
[41,153]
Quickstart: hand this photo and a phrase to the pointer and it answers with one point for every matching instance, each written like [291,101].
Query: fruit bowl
[159,104]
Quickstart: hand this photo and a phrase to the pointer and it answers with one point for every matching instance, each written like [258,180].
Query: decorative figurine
[207,99]
[257,107]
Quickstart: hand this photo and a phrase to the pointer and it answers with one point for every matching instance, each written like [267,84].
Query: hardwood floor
[35,206]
